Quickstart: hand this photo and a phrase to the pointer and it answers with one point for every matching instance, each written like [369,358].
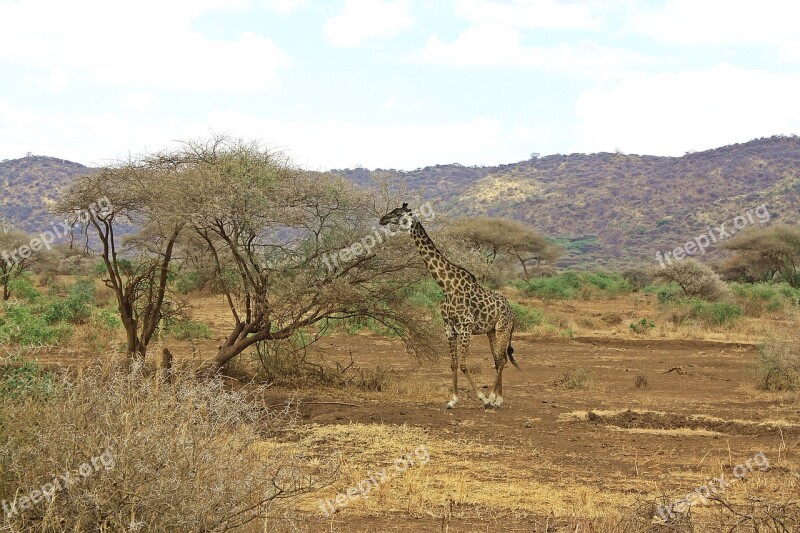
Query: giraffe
[468,309]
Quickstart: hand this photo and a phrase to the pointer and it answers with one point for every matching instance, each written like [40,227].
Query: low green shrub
[22,288]
[667,292]
[561,287]
[642,326]
[25,325]
[759,298]
[425,293]
[711,314]
[75,308]
[187,329]
[525,317]
[570,285]
[20,378]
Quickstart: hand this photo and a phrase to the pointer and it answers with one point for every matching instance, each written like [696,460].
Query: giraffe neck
[443,271]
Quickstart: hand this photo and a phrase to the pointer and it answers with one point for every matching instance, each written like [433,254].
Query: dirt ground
[596,430]
[551,457]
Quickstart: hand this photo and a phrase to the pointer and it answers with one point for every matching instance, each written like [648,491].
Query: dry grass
[453,482]
[186,456]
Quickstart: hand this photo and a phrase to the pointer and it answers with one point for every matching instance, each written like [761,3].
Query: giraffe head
[400,216]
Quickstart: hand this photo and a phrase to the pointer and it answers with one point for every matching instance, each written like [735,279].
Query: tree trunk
[166,365]
[525,270]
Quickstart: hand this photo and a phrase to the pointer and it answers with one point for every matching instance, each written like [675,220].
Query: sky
[396,83]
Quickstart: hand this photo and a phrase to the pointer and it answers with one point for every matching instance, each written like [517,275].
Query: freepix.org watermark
[712,487]
[101,206]
[714,235]
[420,456]
[366,244]
[60,482]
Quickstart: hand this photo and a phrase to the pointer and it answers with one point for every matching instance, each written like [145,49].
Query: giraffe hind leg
[499,349]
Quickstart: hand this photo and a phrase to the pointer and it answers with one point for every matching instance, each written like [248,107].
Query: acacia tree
[111,203]
[695,278]
[500,239]
[16,255]
[769,251]
[291,250]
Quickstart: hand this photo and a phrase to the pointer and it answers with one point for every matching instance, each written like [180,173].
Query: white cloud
[722,22]
[530,14]
[138,101]
[95,138]
[494,45]
[146,44]
[671,113]
[325,145]
[363,20]
[284,6]
[88,138]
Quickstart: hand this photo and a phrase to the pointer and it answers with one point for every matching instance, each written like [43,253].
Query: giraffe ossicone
[468,309]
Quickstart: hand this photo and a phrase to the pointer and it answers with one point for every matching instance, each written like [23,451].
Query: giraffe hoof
[490,406]
[447,406]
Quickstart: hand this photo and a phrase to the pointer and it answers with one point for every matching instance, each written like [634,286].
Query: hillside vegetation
[31,185]
[609,210]
[614,210]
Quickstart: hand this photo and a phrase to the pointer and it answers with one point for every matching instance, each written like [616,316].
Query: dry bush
[576,379]
[695,278]
[778,362]
[186,456]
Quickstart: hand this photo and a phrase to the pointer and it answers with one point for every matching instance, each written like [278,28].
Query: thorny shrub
[188,455]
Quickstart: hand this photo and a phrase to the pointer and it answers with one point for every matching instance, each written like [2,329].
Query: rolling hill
[30,186]
[610,210]
[613,210]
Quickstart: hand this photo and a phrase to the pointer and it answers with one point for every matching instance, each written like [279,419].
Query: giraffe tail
[510,351]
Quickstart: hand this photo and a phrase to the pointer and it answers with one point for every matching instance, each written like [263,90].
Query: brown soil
[633,445]
[561,454]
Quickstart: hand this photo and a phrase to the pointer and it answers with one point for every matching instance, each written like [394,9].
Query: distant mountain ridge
[29,186]
[610,210]
[613,210]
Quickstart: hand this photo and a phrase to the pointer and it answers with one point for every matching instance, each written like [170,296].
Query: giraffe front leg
[463,344]
[454,368]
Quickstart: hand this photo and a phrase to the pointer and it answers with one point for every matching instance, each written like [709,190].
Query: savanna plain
[262,399]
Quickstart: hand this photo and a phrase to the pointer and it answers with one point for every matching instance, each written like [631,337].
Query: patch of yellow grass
[679,432]
[478,478]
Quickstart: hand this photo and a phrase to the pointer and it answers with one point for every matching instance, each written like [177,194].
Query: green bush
[105,319]
[190,281]
[425,293]
[758,298]
[717,313]
[74,308]
[561,287]
[642,326]
[526,318]
[612,284]
[22,288]
[570,285]
[24,379]
[24,325]
[354,326]
[712,314]
[666,293]
[190,330]
[791,294]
